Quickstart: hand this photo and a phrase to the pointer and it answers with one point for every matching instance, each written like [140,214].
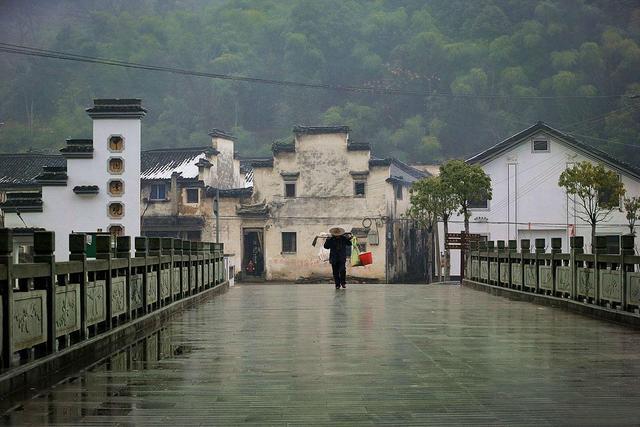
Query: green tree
[469,184]
[596,192]
[632,209]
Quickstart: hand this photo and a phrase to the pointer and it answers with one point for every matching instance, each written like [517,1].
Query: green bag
[355,253]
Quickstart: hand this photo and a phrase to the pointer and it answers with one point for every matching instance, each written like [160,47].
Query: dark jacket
[340,249]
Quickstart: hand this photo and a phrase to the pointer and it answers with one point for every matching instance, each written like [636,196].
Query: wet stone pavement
[368,355]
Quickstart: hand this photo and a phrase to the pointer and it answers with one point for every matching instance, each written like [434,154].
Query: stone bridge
[368,355]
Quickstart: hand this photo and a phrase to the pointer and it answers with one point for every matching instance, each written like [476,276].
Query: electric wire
[52,54]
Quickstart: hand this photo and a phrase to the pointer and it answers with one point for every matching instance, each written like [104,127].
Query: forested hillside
[487,68]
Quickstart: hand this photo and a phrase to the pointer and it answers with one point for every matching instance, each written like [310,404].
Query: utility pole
[216,206]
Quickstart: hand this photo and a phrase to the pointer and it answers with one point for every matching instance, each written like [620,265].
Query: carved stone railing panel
[633,288]
[152,287]
[475,269]
[96,302]
[504,273]
[484,270]
[611,285]
[516,274]
[193,281]
[137,291]
[530,275]
[207,278]
[175,285]
[185,278]
[545,277]
[165,283]
[564,279]
[29,319]
[67,309]
[118,296]
[586,282]
[200,280]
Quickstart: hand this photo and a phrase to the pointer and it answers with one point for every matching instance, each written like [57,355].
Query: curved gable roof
[564,138]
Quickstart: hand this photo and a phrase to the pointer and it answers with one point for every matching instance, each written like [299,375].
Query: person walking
[339,245]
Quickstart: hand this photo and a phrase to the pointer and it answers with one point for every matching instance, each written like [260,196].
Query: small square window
[192,195]
[158,192]
[289,242]
[290,189]
[540,146]
[359,189]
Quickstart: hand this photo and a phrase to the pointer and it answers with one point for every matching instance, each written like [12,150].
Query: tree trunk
[447,253]
[593,237]
[430,256]
[436,237]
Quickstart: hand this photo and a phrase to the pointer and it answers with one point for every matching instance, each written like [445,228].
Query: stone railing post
[123,250]
[501,252]
[78,252]
[177,253]
[103,252]
[513,254]
[628,249]
[600,248]
[6,291]
[577,248]
[540,249]
[155,251]
[141,245]
[167,249]
[186,252]
[525,249]
[44,244]
[556,249]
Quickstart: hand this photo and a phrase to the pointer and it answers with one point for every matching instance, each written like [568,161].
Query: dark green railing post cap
[501,246]
[177,244]
[103,244]
[6,241]
[513,245]
[628,244]
[78,243]
[44,242]
[491,245]
[576,242]
[167,244]
[141,244]
[194,247]
[154,243]
[600,245]
[540,246]
[186,245]
[482,245]
[556,245]
[473,245]
[123,243]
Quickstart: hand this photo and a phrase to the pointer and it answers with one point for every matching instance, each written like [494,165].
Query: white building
[527,202]
[98,190]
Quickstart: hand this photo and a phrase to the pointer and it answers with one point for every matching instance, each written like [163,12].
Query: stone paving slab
[369,355]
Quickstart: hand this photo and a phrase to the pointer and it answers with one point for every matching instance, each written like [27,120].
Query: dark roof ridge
[318,130]
[585,148]
[219,133]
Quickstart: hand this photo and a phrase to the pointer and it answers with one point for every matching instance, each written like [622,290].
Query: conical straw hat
[336,231]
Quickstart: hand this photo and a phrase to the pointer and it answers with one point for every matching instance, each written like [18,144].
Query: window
[116,187]
[479,203]
[399,192]
[290,189]
[116,165]
[116,210]
[158,192]
[613,244]
[289,242]
[605,196]
[192,195]
[540,146]
[359,189]
[116,143]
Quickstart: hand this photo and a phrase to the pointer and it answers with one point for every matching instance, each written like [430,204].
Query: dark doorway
[253,254]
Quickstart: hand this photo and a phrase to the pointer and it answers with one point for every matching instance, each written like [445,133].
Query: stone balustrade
[46,306]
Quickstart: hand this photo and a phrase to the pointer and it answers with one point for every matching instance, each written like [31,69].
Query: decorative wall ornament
[116,165]
[115,210]
[116,187]
[116,143]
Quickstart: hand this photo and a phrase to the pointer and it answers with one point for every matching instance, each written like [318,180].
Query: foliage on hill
[460,53]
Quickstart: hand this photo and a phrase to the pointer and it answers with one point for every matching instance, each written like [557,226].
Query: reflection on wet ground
[370,355]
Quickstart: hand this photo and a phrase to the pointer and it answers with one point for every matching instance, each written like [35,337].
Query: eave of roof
[319,130]
[116,109]
[219,133]
[586,149]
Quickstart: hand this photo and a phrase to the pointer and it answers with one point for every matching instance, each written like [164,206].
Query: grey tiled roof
[17,170]
[160,164]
